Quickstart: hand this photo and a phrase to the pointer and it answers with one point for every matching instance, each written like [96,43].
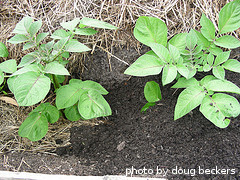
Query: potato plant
[31,79]
[184,55]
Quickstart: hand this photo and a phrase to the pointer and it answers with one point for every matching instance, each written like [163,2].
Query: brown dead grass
[179,15]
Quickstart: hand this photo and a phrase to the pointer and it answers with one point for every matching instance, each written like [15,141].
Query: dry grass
[179,15]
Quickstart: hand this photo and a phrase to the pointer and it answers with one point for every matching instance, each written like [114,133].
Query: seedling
[184,55]
[31,79]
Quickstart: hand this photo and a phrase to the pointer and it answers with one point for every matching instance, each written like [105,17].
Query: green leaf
[75,46]
[161,52]
[28,68]
[227,41]
[60,34]
[219,106]
[70,25]
[188,100]
[28,45]
[192,72]
[221,58]
[34,27]
[9,66]
[92,105]
[222,86]
[204,81]
[150,30]
[34,127]
[191,40]
[208,29]
[10,83]
[40,37]
[60,78]
[152,92]
[215,50]
[145,65]
[28,59]
[210,59]
[72,113]
[56,68]
[219,72]
[1,77]
[23,26]
[184,83]
[96,23]
[179,41]
[183,70]
[30,88]
[67,96]
[232,65]
[18,38]
[90,85]
[147,105]
[58,46]
[229,17]
[85,31]
[202,41]
[3,50]
[169,74]
[206,67]
[174,53]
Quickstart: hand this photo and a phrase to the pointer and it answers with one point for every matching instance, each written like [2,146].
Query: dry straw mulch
[179,15]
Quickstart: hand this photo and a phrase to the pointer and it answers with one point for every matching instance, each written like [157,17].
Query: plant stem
[55,82]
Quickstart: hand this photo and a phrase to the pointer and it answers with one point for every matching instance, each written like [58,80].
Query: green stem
[55,82]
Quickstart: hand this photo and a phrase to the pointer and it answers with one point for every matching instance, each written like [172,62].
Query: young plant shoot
[31,79]
[184,55]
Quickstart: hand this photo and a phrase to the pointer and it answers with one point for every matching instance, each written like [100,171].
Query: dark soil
[153,139]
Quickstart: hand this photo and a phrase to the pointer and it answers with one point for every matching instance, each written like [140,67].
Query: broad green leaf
[188,100]
[10,83]
[152,53]
[28,59]
[206,67]
[60,78]
[3,50]
[40,37]
[202,41]
[191,40]
[174,53]
[232,65]
[28,45]
[30,88]
[227,41]
[50,111]
[60,34]
[204,81]
[219,72]
[215,50]
[70,25]
[161,52]
[96,23]
[72,113]
[18,38]
[65,55]
[67,96]
[77,81]
[91,85]
[23,26]
[48,47]
[208,29]
[184,83]
[58,46]
[197,51]
[192,72]
[222,86]
[210,59]
[56,68]
[34,27]
[28,68]
[152,92]
[150,30]
[169,74]
[183,70]
[34,127]
[85,31]
[1,77]
[145,65]
[221,58]
[92,105]
[75,46]
[229,17]
[179,41]
[9,66]
[147,105]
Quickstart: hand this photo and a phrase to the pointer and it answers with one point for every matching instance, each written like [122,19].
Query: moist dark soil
[151,140]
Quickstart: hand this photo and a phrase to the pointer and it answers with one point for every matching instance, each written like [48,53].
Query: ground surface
[133,139]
